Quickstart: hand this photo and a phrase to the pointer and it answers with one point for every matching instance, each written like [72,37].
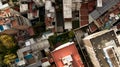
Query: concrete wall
[91,53]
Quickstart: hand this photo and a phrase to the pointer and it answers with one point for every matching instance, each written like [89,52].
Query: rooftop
[64,45]
[3,6]
[96,34]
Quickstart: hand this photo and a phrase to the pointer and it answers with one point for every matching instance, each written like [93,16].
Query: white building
[29,7]
[67,14]
[67,8]
[23,7]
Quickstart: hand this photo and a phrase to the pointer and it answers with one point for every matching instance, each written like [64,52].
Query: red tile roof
[68,50]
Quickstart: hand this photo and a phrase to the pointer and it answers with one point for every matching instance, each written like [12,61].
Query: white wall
[68,25]
[67,8]
[23,7]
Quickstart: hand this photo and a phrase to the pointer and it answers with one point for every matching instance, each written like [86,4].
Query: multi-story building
[96,15]
[29,8]
[32,51]
[67,55]
[106,16]
[12,23]
[59,16]
[103,49]
[50,20]
[11,18]
[67,14]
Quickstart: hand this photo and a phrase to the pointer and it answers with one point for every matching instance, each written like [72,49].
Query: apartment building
[50,19]
[106,16]
[103,48]
[67,14]
[11,19]
[29,7]
[32,51]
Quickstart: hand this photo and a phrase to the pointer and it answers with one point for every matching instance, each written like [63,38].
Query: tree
[1,60]
[7,41]
[2,48]
[8,50]
[8,59]
[71,34]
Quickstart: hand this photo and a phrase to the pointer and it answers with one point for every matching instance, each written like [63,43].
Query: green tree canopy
[8,50]
[7,41]
[9,58]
